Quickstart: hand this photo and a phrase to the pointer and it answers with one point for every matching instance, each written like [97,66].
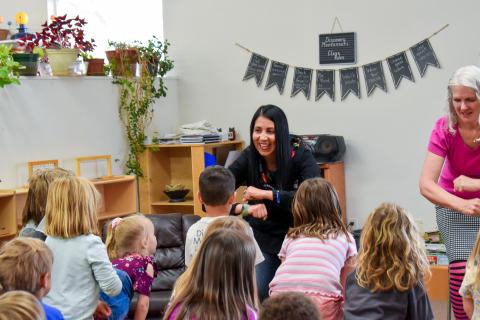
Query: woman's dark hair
[282,144]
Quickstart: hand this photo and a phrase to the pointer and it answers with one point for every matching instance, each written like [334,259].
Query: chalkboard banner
[349,82]
[325,84]
[277,76]
[424,56]
[400,68]
[374,77]
[337,48]
[256,68]
[302,82]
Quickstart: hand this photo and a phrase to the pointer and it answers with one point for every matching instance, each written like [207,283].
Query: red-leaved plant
[60,33]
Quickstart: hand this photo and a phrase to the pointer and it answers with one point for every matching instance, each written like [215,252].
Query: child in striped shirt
[318,252]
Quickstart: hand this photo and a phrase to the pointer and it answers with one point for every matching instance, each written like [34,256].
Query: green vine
[138,94]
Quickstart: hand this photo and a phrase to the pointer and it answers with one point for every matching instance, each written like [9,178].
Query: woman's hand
[252,193]
[258,211]
[470,207]
[464,183]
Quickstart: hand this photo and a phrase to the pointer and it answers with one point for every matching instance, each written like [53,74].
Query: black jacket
[271,232]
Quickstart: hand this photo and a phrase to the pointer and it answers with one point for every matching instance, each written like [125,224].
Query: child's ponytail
[110,241]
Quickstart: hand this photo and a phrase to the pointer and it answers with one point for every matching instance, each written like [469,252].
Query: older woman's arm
[434,193]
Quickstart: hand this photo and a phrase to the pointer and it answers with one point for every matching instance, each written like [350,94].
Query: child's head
[316,210]
[227,222]
[220,282]
[289,305]
[132,234]
[71,208]
[25,264]
[392,255]
[217,186]
[20,305]
[38,185]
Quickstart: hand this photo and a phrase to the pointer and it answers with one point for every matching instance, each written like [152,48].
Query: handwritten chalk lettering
[337,48]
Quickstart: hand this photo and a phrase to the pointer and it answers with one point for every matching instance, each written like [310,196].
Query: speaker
[325,147]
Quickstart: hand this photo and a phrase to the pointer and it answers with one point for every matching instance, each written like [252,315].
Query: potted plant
[4,31]
[122,58]
[63,39]
[8,67]
[28,55]
[137,94]
[95,65]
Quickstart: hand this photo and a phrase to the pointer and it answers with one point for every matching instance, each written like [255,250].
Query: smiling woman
[451,175]
[273,166]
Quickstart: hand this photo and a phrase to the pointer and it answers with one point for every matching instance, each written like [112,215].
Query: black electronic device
[325,147]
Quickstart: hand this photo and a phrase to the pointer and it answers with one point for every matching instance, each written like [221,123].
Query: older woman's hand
[258,211]
[252,193]
[464,183]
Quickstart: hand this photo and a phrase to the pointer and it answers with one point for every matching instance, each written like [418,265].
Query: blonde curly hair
[392,255]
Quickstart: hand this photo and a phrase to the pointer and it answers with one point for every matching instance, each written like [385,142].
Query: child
[289,305]
[20,305]
[220,282]
[217,194]
[470,286]
[318,252]
[34,209]
[392,266]
[81,265]
[131,243]
[25,264]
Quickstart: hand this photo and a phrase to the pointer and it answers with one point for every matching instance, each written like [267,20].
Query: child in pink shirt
[318,252]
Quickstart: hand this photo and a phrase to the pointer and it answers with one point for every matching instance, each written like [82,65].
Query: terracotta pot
[4,34]
[95,67]
[123,61]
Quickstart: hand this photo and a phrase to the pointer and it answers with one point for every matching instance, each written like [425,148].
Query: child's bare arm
[349,266]
[143,302]
[468,307]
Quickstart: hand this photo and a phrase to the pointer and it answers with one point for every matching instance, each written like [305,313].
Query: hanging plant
[138,94]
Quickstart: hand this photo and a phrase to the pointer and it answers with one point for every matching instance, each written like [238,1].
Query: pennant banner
[302,82]
[349,82]
[256,68]
[400,68]
[277,76]
[325,84]
[374,77]
[424,56]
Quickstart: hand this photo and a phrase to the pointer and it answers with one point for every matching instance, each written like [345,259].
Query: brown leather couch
[171,231]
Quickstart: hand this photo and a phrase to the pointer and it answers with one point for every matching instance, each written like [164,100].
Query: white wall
[386,134]
[35,9]
[65,118]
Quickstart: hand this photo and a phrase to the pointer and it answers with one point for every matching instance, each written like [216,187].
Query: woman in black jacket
[272,167]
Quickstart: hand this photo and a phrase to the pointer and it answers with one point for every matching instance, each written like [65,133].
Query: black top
[271,232]
[361,303]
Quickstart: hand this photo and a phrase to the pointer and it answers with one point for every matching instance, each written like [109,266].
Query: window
[117,20]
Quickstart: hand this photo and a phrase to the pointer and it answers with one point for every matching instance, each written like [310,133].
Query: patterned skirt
[459,232]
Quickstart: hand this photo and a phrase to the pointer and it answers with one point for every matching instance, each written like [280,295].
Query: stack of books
[197,138]
[212,137]
[437,254]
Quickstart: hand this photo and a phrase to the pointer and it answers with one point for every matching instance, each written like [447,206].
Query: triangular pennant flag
[325,84]
[349,82]
[277,76]
[256,68]
[302,82]
[399,68]
[424,56]
[374,77]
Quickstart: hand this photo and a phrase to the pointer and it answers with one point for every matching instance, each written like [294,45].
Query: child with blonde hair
[20,305]
[81,266]
[25,264]
[131,243]
[318,252]
[470,288]
[34,210]
[391,269]
[220,283]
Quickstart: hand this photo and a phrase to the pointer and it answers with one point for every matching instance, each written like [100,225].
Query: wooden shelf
[335,174]
[8,222]
[164,164]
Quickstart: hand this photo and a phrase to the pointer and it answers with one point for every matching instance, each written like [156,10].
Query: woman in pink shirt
[451,175]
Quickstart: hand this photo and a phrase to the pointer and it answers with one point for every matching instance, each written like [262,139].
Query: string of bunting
[374,75]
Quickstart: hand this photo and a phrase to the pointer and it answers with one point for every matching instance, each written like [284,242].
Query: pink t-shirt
[460,159]
[312,265]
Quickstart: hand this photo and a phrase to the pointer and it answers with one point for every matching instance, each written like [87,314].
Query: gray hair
[468,76]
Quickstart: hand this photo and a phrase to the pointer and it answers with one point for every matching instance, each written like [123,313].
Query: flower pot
[29,60]
[61,59]
[4,34]
[95,67]
[123,61]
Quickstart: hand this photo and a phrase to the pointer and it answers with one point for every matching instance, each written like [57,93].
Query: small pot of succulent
[63,39]
[8,67]
[95,65]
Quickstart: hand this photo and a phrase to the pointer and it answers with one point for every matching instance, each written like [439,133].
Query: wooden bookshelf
[8,222]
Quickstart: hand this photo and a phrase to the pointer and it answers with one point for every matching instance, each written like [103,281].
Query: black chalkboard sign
[325,84]
[399,68]
[337,48]
[277,76]
[424,56]
[302,82]
[256,68]
[374,77]
[349,82]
